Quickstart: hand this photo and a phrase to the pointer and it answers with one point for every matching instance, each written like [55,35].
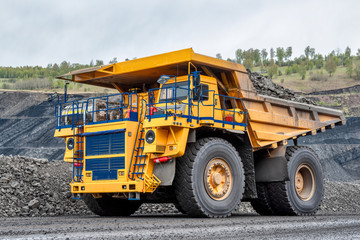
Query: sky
[39,32]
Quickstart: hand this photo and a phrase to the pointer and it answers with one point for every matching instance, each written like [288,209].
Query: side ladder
[139,159]
[78,150]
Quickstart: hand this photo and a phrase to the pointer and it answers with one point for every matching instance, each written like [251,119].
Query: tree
[264,55]
[248,63]
[288,70]
[294,68]
[280,53]
[248,58]
[307,52]
[239,56]
[312,53]
[272,53]
[302,70]
[218,56]
[272,69]
[357,72]
[349,67]
[358,53]
[256,57]
[309,65]
[114,60]
[319,61]
[56,68]
[64,66]
[288,53]
[347,52]
[330,65]
[99,62]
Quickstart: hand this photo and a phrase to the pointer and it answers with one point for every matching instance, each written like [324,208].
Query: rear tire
[209,179]
[108,206]
[303,194]
[262,204]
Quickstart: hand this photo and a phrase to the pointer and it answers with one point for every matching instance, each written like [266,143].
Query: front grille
[105,168]
[105,144]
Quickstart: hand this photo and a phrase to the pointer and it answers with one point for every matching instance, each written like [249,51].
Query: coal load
[266,86]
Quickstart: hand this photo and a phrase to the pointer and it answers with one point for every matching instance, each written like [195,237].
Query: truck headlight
[150,136]
[70,143]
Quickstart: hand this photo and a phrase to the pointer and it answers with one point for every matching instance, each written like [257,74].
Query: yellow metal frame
[270,122]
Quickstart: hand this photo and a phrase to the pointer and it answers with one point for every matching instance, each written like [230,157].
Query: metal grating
[105,144]
[105,168]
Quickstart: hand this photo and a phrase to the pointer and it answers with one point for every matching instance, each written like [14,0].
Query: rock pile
[266,86]
[36,187]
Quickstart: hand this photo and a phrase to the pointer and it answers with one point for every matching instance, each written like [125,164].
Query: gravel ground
[175,226]
[35,187]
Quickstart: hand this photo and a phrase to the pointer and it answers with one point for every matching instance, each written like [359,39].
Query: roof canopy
[147,70]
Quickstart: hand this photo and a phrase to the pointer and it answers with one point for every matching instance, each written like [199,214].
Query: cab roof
[147,70]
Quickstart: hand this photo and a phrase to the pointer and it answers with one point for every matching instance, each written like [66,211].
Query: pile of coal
[36,187]
[266,86]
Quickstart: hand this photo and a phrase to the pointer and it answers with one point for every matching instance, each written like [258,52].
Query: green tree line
[273,62]
[51,71]
[270,61]
[37,77]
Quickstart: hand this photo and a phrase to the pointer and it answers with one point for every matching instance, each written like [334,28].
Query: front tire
[108,206]
[209,179]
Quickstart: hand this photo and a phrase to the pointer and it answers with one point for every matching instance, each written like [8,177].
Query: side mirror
[196,79]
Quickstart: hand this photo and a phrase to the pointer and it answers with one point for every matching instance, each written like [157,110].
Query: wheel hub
[218,179]
[304,182]
[299,182]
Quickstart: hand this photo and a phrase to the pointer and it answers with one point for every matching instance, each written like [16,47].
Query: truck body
[192,130]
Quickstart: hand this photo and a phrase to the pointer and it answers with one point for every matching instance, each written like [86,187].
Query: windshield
[167,91]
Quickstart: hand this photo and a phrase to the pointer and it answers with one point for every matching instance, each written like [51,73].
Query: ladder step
[139,156]
[139,164]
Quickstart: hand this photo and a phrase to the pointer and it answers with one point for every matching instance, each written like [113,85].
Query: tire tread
[183,182]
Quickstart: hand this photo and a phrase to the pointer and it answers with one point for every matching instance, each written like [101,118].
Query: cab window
[168,94]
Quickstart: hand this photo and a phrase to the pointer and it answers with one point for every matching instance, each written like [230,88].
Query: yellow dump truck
[191,130]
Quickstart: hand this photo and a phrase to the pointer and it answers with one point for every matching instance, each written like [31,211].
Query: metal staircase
[78,130]
[141,159]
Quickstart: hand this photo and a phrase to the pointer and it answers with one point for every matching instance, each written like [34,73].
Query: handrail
[70,110]
[190,103]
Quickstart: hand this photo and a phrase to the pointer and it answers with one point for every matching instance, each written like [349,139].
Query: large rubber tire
[283,196]
[108,206]
[179,208]
[262,204]
[190,190]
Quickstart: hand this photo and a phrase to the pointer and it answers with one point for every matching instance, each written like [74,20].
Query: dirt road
[180,227]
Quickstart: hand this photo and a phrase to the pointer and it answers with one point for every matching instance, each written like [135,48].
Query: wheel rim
[218,179]
[304,182]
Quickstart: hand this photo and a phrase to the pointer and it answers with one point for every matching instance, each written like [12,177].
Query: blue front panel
[105,144]
[105,168]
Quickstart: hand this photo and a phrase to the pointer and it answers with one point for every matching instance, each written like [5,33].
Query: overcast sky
[38,32]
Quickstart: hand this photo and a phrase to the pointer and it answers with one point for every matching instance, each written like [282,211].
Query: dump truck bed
[271,121]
